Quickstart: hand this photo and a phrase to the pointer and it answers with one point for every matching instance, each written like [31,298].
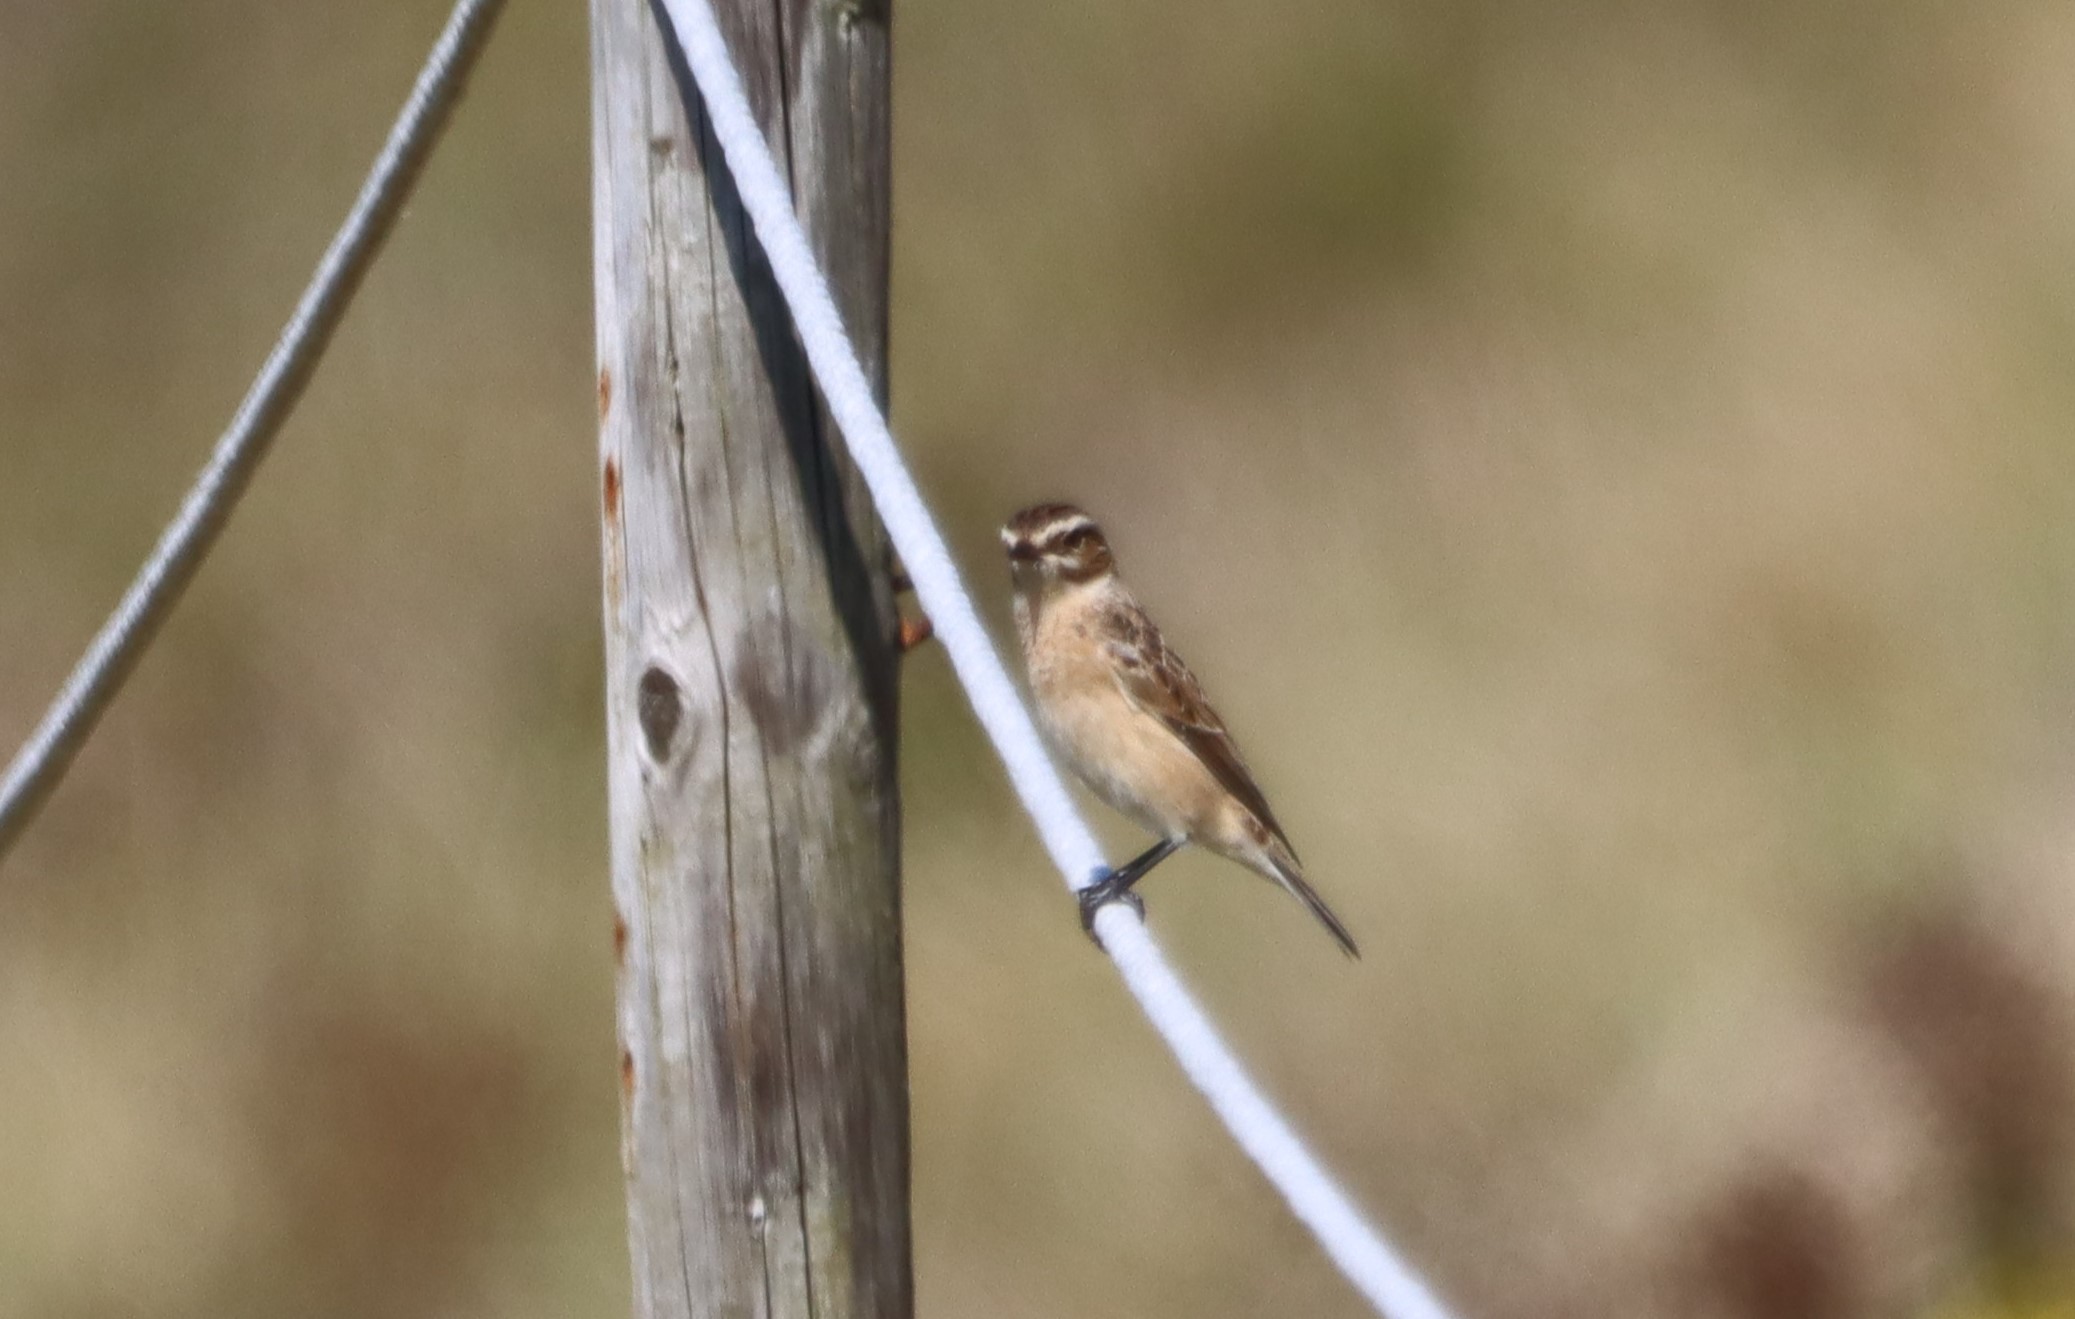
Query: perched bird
[1129,717]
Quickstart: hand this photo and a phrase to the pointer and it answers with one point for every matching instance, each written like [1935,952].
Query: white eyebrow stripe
[1063,528]
[1390,1285]
[1047,537]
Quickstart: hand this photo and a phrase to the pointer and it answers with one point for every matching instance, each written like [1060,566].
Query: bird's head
[1050,545]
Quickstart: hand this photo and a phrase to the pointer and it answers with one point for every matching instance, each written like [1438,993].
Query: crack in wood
[760,985]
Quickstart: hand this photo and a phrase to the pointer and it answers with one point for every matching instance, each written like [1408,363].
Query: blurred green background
[1611,462]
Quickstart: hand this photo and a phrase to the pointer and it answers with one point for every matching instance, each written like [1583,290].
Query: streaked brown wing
[1156,680]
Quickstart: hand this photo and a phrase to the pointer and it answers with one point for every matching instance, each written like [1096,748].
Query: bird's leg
[1115,886]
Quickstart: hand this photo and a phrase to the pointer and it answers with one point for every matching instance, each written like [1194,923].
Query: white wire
[40,765]
[1369,1263]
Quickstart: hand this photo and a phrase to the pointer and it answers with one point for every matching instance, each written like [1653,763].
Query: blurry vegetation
[1610,460]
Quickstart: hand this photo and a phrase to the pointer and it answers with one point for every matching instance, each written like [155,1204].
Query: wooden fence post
[751,668]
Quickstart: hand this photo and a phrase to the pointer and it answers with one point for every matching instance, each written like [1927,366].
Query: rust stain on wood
[915,631]
[761,1015]
[615,539]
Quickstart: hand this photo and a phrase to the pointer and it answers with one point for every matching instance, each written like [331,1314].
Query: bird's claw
[1114,886]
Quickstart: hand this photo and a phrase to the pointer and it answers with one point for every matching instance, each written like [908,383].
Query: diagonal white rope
[1369,1263]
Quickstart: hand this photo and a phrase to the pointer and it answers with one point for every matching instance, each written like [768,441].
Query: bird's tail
[1290,877]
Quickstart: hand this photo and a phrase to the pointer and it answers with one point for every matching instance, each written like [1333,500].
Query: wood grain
[751,652]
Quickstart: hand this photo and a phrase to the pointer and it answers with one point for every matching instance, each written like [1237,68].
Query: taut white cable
[41,763]
[1390,1285]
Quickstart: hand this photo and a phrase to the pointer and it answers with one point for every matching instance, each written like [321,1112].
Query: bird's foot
[1114,886]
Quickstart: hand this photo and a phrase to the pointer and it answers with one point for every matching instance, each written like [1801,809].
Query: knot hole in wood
[660,706]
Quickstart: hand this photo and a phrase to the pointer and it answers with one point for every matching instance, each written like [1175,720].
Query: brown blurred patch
[1990,1034]
[380,1137]
[1777,1245]
[1611,463]
[1991,1037]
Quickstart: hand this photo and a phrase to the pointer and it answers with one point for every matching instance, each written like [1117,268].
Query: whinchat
[1128,716]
